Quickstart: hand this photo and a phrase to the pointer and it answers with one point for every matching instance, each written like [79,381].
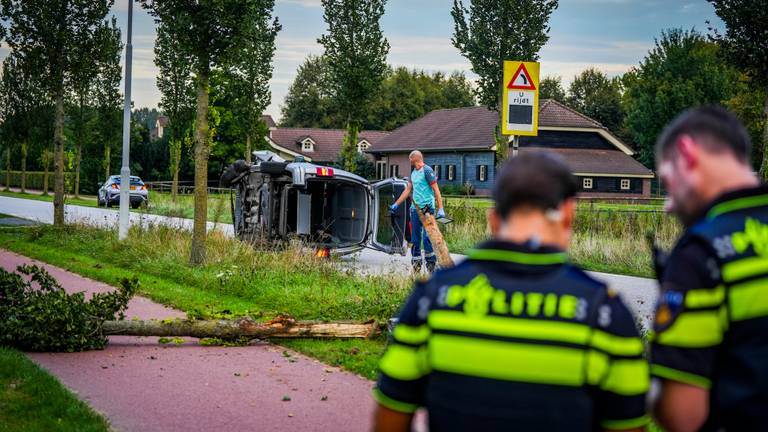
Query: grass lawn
[237,281]
[33,400]
[159,204]
[87,202]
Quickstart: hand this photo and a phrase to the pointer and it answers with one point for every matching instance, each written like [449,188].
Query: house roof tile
[327,141]
[592,161]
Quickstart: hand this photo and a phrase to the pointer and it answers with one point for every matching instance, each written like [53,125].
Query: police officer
[516,337]
[710,351]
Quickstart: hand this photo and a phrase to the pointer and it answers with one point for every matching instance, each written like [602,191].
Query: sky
[610,35]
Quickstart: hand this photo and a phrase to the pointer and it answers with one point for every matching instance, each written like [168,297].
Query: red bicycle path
[141,385]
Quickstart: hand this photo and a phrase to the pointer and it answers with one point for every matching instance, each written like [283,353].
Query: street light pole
[125,170]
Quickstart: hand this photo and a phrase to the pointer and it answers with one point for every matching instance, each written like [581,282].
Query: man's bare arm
[406,193]
[438,196]
[387,420]
[682,407]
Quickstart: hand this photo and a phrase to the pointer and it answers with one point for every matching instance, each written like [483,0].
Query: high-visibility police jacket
[712,317]
[515,338]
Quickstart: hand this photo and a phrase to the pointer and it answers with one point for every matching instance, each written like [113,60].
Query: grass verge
[33,400]
[236,281]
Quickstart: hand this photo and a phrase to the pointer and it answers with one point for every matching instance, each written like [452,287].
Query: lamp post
[125,170]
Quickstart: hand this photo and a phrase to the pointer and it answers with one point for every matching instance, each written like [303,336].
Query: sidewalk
[141,385]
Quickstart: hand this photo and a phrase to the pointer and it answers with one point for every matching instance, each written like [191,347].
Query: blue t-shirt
[422,181]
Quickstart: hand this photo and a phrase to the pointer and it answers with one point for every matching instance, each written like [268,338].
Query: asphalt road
[638,293]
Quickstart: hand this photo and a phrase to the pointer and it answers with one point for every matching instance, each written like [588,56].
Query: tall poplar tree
[47,36]
[177,96]
[356,54]
[251,74]
[108,99]
[214,34]
[489,32]
[745,43]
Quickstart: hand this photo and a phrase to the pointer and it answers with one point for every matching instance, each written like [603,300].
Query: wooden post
[436,237]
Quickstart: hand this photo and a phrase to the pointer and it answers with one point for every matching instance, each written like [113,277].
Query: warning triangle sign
[521,80]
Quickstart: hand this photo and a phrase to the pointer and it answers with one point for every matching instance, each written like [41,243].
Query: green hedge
[35,180]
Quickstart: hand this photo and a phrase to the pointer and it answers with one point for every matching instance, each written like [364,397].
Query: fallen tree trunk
[280,327]
[436,237]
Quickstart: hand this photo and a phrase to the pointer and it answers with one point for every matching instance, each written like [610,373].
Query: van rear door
[388,231]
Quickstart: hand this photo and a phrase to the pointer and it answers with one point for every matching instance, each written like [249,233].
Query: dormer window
[363,145]
[308,145]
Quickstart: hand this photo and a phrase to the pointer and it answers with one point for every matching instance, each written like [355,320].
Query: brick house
[459,145]
[319,146]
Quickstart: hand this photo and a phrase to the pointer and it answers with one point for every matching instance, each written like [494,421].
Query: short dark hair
[538,179]
[722,128]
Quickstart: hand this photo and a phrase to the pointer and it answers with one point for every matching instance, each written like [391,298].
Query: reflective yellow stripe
[634,423]
[700,329]
[627,377]
[404,363]
[507,361]
[703,298]
[680,376]
[744,268]
[510,327]
[414,335]
[738,204]
[749,300]
[597,366]
[617,345]
[393,404]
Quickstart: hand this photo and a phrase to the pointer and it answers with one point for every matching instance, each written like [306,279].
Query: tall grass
[161,203]
[612,239]
[236,279]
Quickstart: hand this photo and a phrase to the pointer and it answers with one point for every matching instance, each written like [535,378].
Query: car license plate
[133,187]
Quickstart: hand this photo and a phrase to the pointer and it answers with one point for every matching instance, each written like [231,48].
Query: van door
[388,231]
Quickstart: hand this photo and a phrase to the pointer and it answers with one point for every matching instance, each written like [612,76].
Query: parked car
[332,210]
[109,192]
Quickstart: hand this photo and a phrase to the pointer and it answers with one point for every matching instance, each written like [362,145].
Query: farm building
[459,145]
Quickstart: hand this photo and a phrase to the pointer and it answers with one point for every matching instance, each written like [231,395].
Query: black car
[333,210]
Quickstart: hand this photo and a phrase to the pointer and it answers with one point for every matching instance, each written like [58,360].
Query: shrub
[36,314]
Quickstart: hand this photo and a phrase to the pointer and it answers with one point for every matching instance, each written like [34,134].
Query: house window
[394,170]
[625,184]
[362,146]
[308,145]
[482,173]
[586,183]
[451,172]
[438,171]
[381,170]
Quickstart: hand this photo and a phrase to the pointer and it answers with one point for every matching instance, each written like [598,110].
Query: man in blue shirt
[426,193]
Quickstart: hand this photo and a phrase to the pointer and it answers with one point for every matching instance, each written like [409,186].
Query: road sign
[520,101]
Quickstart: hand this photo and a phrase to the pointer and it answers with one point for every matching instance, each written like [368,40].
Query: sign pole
[125,170]
[514,144]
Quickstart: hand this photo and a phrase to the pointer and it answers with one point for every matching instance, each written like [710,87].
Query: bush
[465,189]
[38,315]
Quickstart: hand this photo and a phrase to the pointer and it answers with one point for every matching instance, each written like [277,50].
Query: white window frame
[363,145]
[587,183]
[483,173]
[381,170]
[451,174]
[625,184]
[437,169]
[308,145]
[394,170]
